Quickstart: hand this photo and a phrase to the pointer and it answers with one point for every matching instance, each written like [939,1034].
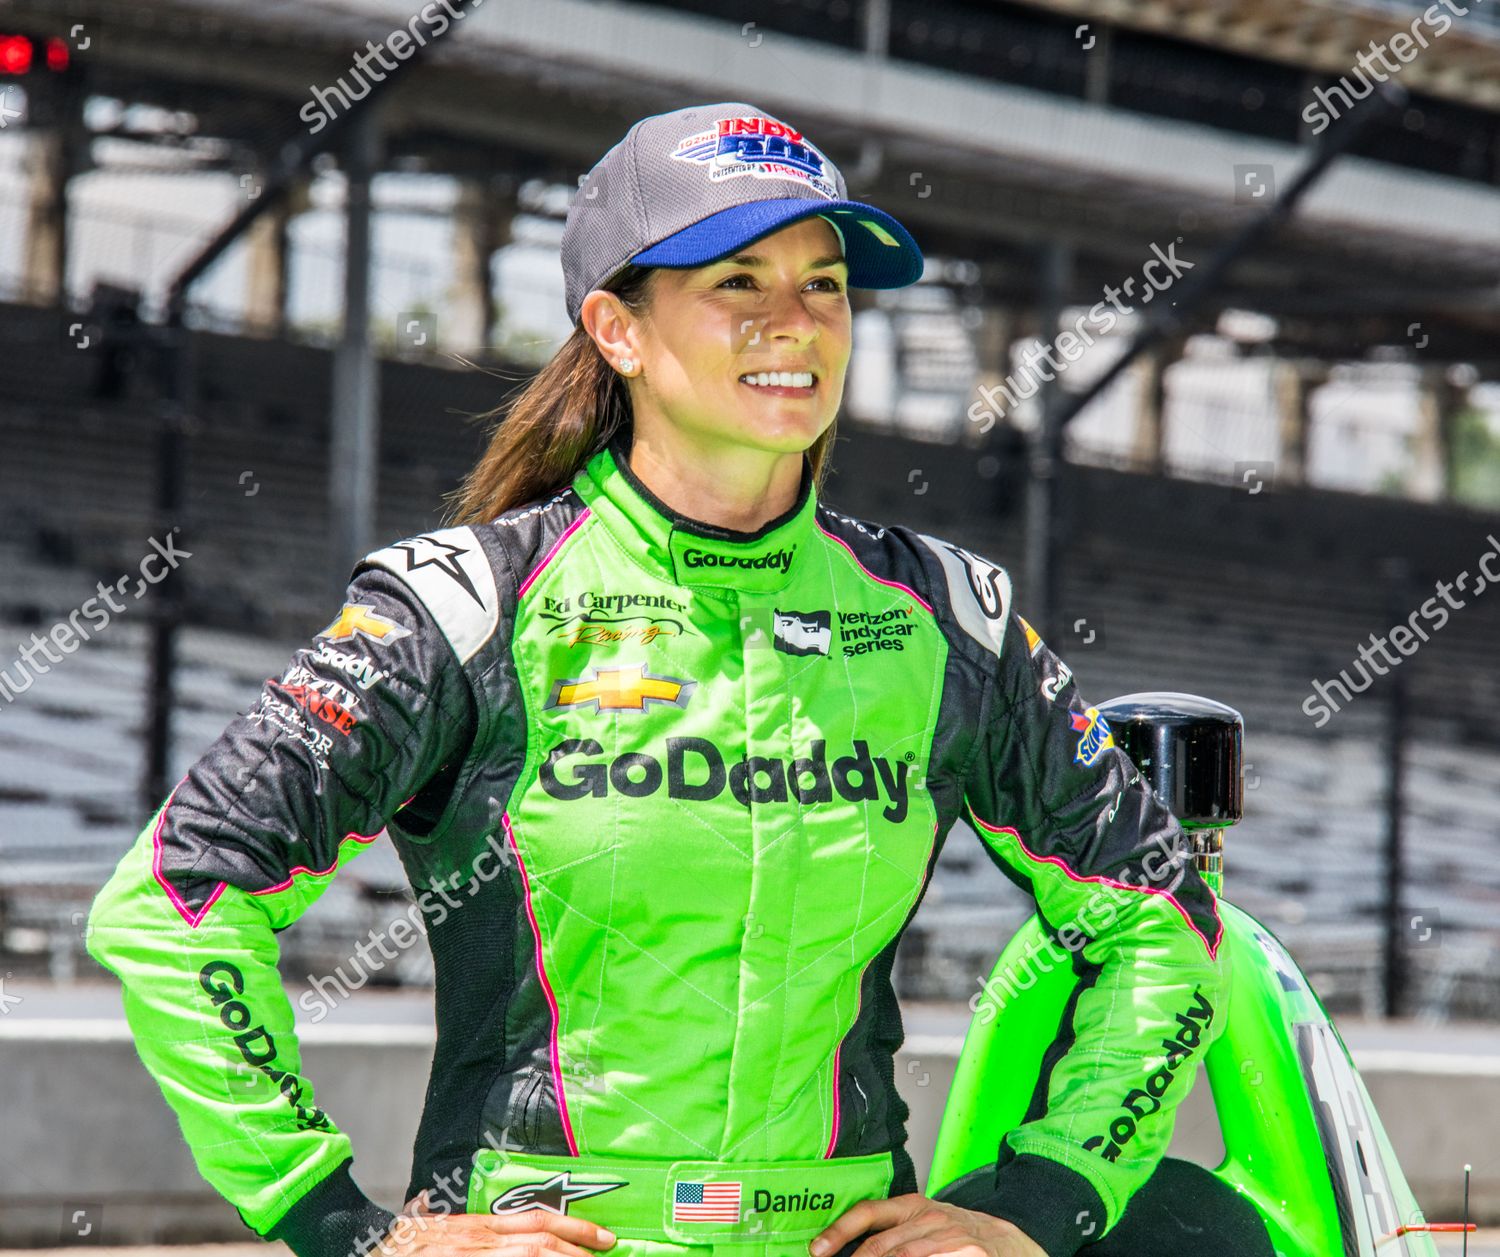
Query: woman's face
[778,305]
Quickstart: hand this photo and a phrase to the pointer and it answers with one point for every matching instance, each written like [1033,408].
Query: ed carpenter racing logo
[757,146]
[223,981]
[554,1195]
[1141,1102]
[574,770]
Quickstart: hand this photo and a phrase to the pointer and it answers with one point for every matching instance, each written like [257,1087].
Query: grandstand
[1039,150]
[1169,574]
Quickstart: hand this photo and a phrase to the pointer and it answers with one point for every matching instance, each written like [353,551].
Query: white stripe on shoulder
[978,590]
[450,572]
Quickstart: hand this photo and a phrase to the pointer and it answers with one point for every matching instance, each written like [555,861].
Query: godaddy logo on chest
[1145,1100]
[695,770]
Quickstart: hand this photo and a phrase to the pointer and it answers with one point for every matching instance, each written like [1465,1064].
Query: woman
[667,749]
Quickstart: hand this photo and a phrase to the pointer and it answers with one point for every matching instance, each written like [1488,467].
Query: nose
[787,316]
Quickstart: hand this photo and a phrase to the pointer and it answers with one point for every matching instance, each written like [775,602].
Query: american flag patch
[706,1202]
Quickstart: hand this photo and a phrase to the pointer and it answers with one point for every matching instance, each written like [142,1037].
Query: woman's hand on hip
[920,1227]
[420,1231]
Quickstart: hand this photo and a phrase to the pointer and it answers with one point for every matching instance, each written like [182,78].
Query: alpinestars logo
[1143,1101]
[801,632]
[429,551]
[554,1195]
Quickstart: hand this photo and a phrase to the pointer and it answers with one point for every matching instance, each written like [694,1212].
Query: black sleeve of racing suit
[365,715]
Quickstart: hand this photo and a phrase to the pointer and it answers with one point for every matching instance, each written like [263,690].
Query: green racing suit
[667,795]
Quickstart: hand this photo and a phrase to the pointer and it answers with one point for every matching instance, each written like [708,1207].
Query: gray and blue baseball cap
[695,185]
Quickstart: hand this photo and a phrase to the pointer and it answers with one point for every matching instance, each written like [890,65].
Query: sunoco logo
[777,560]
[695,770]
[1143,1101]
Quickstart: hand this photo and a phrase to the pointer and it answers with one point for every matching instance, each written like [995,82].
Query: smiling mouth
[800,381]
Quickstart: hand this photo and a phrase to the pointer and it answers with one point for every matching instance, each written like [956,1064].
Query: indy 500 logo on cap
[761,147]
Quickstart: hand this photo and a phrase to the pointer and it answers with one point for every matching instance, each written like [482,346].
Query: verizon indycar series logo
[811,632]
[863,631]
[757,146]
[801,632]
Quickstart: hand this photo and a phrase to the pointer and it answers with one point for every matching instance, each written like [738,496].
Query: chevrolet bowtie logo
[621,689]
[362,619]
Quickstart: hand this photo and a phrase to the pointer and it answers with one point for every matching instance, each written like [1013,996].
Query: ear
[611,326]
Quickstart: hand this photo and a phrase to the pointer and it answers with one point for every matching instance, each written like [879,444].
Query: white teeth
[780,379]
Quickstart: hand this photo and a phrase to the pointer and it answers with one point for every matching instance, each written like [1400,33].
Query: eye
[834,284]
[750,279]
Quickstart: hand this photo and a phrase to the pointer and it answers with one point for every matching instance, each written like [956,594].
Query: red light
[57,55]
[15,54]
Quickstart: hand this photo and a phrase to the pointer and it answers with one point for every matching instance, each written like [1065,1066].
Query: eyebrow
[754,259]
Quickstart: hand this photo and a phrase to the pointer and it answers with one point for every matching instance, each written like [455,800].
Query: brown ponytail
[569,411]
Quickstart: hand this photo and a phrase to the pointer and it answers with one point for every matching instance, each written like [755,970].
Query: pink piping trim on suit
[1213,947]
[833,1137]
[302,868]
[177,902]
[195,920]
[556,546]
[894,584]
[562,1103]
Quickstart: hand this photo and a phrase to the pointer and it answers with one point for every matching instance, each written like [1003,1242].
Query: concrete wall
[91,1153]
